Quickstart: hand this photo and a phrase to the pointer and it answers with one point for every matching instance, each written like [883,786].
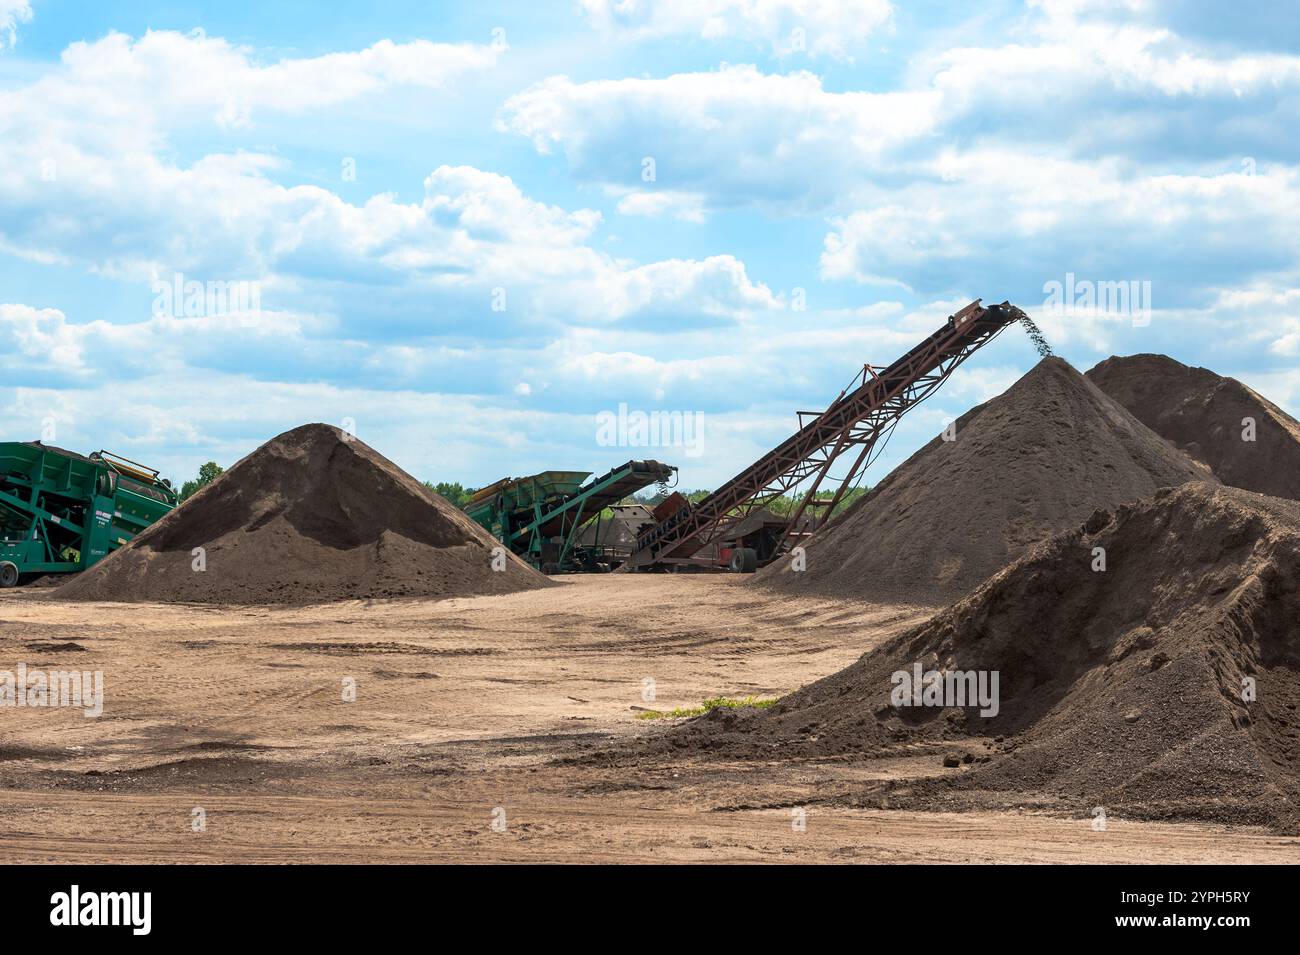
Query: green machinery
[62,512]
[538,517]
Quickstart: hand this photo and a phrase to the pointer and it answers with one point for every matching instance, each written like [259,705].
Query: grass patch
[716,703]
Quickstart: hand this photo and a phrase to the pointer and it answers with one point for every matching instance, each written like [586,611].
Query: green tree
[452,491]
[207,474]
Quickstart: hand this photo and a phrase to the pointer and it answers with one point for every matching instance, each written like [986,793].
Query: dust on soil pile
[1035,460]
[314,515]
[1120,689]
[1202,413]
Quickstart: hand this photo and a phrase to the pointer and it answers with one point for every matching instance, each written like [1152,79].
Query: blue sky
[456,249]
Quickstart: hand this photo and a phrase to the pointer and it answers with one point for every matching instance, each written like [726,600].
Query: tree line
[459,495]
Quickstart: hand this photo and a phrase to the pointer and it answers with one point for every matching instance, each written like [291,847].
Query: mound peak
[1033,461]
[1205,415]
[313,515]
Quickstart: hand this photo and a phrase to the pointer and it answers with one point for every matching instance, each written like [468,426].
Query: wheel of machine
[744,560]
[8,573]
[550,569]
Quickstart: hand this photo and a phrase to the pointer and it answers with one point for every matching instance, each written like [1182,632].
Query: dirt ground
[226,737]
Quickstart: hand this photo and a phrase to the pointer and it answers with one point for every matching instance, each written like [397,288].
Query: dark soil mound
[311,516]
[1202,413]
[1121,689]
[1035,460]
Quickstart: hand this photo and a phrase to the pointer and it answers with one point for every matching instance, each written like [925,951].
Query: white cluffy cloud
[686,206]
[832,27]
[104,83]
[734,133]
[94,134]
[12,13]
[737,134]
[998,214]
[37,340]
[1094,139]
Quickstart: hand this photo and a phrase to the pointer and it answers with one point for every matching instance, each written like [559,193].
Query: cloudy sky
[466,230]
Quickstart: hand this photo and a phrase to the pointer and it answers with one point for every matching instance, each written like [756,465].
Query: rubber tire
[744,560]
[8,573]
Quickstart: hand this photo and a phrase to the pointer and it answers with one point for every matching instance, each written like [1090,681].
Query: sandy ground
[456,745]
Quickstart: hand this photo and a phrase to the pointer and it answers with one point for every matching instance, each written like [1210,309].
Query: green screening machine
[62,512]
[539,517]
